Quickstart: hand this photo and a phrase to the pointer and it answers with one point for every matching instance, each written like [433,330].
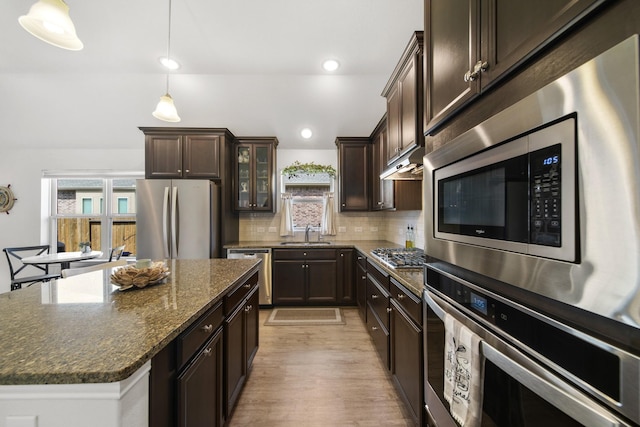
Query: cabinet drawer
[192,339]
[380,336]
[235,297]
[409,302]
[378,298]
[304,254]
[362,260]
[381,277]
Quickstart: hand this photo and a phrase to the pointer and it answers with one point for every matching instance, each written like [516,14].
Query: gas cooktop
[400,257]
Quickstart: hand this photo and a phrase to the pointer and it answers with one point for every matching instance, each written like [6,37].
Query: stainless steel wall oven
[559,331]
[537,370]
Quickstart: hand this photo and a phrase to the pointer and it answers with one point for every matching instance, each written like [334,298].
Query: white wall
[22,168]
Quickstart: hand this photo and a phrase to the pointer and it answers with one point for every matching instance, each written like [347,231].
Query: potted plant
[85,247]
[302,172]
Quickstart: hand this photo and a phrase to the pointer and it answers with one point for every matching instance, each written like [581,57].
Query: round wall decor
[6,199]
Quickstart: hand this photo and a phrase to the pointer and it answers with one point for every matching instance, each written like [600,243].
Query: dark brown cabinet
[181,153]
[406,348]
[196,379]
[241,339]
[254,183]
[378,310]
[304,277]
[186,380]
[361,285]
[404,94]
[345,283]
[382,196]
[354,169]
[472,44]
[199,387]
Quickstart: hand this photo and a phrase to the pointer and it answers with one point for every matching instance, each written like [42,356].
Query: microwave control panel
[545,181]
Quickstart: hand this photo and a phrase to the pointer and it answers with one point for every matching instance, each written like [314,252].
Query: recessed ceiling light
[330,65]
[306,133]
[169,63]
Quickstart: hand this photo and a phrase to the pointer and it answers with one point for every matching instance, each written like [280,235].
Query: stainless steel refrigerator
[177,219]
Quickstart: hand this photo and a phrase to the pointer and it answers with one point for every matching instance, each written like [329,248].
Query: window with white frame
[92,208]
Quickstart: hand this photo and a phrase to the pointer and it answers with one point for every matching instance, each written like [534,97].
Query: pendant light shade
[49,21]
[166,110]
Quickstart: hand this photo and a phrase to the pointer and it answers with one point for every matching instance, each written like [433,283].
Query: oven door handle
[439,311]
[573,405]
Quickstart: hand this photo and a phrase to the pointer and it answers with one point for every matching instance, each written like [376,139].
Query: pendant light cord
[169,44]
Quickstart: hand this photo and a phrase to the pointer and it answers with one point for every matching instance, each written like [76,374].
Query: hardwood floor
[318,376]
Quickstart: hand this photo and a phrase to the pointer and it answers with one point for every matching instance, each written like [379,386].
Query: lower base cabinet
[241,345]
[196,379]
[394,321]
[405,329]
[200,387]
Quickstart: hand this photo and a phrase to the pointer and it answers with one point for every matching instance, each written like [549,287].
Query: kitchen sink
[305,243]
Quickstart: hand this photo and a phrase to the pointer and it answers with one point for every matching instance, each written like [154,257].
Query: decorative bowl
[132,277]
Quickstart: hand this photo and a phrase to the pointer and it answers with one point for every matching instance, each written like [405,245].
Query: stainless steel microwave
[519,195]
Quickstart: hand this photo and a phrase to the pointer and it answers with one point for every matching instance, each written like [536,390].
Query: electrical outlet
[260,230]
[273,230]
[358,229]
[342,229]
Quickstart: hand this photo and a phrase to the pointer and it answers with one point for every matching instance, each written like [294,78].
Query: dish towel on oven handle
[463,373]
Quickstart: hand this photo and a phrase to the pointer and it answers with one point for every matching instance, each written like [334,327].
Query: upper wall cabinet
[382,196]
[254,183]
[354,167]
[404,93]
[473,44]
[182,153]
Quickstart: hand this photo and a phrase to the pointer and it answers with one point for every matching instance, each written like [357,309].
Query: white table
[61,257]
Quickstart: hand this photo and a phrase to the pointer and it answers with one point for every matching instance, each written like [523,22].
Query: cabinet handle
[248,308]
[179,170]
[400,296]
[389,310]
[374,328]
[480,67]
[187,171]
[380,203]
[374,296]
[364,277]
[247,286]
[208,352]
[344,204]
[341,254]
[360,258]
[304,253]
[207,328]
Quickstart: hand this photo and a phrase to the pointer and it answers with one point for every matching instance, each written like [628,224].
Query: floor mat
[305,316]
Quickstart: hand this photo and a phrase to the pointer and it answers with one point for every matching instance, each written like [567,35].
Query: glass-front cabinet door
[254,183]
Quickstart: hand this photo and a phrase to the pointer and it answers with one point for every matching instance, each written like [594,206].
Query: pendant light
[166,110]
[49,21]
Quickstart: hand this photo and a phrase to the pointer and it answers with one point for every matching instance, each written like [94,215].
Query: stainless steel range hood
[407,167]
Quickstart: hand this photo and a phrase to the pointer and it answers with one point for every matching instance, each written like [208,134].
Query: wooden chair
[75,271]
[116,253]
[24,273]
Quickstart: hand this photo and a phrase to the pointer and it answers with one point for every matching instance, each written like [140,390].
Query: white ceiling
[253,66]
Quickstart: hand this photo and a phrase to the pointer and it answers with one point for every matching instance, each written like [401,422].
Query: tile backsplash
[350,226]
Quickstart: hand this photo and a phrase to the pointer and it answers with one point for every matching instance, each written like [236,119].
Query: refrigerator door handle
[174,223]
[165,223]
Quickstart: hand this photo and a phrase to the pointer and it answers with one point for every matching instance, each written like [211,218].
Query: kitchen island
[78,351]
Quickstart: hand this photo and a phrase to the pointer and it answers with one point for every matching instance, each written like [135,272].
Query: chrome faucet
[306,233]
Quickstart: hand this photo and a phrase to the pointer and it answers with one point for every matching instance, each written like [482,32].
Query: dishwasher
[264,277]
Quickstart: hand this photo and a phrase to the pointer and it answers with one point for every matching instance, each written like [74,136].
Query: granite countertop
[82,329]
[411,279]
